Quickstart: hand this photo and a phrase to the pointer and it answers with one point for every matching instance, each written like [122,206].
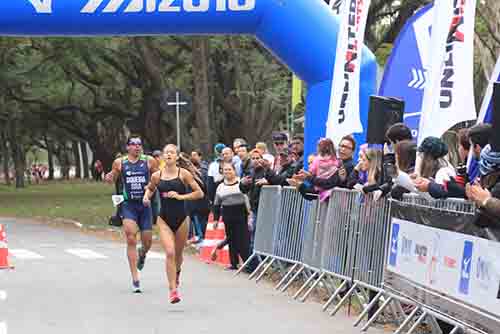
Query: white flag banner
[343,114]
[449,93]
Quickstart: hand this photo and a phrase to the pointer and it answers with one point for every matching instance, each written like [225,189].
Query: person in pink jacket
[325,164]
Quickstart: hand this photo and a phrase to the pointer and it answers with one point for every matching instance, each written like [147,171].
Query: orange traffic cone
[4,250]
[212,238]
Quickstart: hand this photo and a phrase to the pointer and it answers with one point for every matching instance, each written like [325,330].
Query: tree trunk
[76,154]
[18,155]
[5,159]
[85,160]
[201,95]
[50,157]
[20,166]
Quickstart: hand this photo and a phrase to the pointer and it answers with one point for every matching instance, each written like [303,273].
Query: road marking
[3,328]
[155,255]
[48,245]
[25,254]
[85,254]
[3,295]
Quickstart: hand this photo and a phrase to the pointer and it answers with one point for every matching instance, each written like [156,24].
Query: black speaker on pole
[495,119]
[384,112]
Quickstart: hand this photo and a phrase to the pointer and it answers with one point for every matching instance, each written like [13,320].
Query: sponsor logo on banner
[406,248]
[151,6]
[466,268]
[335,6]
[168,6]
[450,262]
[393,254]
[484,272]
[42,6]
[454,36]
[421,253]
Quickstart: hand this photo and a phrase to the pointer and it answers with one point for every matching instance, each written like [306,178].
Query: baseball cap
[280,136]
[156,153]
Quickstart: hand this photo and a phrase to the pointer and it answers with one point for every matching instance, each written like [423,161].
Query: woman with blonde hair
[366,176]
[172,182]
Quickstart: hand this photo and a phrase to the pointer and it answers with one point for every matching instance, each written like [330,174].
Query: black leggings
[238,237]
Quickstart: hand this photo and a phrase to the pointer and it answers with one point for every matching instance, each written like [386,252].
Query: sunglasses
[279,143]
[135,142]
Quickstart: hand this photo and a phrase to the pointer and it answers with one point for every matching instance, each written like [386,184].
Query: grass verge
[88,203]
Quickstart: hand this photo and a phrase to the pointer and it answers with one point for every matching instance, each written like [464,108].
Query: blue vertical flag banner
[406,72]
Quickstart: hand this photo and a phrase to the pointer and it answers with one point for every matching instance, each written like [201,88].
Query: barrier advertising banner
[447,271]
[464,267]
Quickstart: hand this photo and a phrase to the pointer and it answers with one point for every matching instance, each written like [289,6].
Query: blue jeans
[253,222]
[199,225]
[255,262]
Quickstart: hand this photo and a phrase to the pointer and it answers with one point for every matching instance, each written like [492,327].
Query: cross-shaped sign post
[178,103]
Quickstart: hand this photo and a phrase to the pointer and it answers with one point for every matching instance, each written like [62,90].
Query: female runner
[171,182]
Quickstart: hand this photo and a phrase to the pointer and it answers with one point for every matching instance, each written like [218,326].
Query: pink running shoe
[174,297]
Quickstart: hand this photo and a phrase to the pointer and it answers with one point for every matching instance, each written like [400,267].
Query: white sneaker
[136,287]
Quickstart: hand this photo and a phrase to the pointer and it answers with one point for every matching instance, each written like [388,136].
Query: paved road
[69,282]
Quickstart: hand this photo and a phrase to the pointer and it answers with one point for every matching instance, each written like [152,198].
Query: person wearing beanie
[437,175]
[434,163]
[214,174]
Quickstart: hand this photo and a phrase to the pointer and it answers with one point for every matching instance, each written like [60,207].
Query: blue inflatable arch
[301,33]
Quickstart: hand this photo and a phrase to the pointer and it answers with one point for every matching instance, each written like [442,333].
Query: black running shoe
[141,260]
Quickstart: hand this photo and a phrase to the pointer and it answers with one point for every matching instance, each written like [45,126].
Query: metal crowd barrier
[340,245]
[285,226]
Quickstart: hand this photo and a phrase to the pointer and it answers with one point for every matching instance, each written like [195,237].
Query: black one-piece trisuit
[173,211]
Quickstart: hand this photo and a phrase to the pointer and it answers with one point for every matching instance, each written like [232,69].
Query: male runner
[135,170]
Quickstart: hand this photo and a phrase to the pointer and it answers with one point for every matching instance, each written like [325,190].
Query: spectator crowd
[232,181]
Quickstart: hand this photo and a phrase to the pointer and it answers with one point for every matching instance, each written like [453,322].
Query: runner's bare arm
[154,166]
[152,185]
[115,172]
[189,180]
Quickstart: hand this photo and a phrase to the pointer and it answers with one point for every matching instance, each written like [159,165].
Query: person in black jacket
[246,161]
[252,185]
[489,169]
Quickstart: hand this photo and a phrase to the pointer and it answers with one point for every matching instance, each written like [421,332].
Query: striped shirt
[230,198]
